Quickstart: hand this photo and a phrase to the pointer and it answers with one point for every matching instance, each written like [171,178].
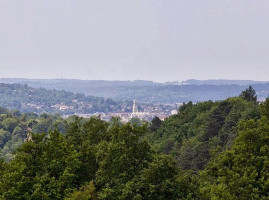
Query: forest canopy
[209,150]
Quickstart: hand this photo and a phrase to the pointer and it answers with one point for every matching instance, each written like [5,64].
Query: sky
[158,40]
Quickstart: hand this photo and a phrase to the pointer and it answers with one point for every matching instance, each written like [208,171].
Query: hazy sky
[160,40]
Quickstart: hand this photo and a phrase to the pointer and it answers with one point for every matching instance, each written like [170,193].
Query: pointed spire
[135,110]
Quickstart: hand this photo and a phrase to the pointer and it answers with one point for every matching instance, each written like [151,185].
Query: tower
[135,110]
[29,137]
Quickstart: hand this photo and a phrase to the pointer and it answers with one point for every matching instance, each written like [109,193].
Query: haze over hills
[222,82]
[95,101]
[151,92]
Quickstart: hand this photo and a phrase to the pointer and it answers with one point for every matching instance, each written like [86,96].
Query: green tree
[241,172]
[158,181]
[249,94]
[120,159]
[17,131]
[155,124]
[42,126]
[86,193]
[10,124]
[42,169]
[136,121]
[264,108]
[5,136]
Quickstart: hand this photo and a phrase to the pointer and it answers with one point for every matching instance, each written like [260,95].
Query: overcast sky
[159,40]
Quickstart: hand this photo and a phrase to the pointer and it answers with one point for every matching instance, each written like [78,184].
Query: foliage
[249,94]
[14,127]
[86,193]
[241,172]
[210,150]
[155,124]
[28,99]
[201,129]
[92,160]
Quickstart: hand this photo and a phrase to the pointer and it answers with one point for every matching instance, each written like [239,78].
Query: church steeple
[135,110]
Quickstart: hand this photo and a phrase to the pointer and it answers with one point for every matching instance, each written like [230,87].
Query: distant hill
[222,82]
[29,99]
[151,92]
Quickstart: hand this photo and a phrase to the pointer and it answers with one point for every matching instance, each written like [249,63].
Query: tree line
[38,100]
[210,150]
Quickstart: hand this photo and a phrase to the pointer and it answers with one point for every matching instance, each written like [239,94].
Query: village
[143,112]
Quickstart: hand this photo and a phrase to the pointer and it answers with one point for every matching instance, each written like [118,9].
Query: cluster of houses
[148,113]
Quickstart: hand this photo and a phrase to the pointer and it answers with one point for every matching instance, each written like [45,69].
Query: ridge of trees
[28,99]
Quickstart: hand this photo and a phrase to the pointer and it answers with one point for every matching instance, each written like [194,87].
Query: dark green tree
[87,192]
[264,108]
[156,182]
[120,159]
[241,173]
[155,124]
[249,94]
[10,124]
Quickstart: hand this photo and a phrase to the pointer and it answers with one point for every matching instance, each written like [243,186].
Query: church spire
[135,110]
